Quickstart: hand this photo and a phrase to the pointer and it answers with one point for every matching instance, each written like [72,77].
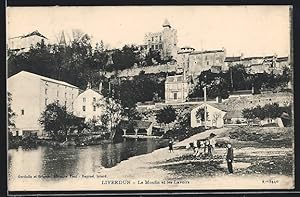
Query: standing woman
[229,157]
[212,144]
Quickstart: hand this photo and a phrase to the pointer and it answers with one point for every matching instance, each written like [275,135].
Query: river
[65,161]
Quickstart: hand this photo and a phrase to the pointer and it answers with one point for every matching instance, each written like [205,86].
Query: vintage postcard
[150,98]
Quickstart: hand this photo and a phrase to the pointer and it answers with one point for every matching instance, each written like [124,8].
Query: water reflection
[65,161]
[59,162]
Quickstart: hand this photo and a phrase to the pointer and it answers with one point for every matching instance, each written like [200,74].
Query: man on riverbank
[229,157]
[171,145]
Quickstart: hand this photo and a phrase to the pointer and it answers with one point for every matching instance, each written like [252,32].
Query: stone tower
[169,40]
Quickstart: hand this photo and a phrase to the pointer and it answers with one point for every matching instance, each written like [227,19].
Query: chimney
[88,86]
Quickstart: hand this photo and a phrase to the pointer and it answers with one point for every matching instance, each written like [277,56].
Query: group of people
[208,146]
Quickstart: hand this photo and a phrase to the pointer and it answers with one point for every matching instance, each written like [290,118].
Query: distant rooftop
[282,59]
[136,124]
[34,33]
[250,58]
[175,78]
[203,52]
[232,59]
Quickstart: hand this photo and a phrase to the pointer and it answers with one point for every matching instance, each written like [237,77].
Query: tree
[217,85]
[113,114]
[10,112]
[215,117]
[152,57]
[240,78]
[166,115]
[270,111]
[249,114]
[200,114]
[126,57]
[57,121]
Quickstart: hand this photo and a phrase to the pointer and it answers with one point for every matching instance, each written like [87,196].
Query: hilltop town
[140,81]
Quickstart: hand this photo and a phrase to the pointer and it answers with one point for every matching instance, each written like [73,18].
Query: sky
[251,30]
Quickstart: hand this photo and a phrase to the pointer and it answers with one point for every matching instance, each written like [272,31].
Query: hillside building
[165,41]
[194,62]
[176,89]
[23,43]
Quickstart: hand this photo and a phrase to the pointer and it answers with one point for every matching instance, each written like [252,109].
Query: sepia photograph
[115,98]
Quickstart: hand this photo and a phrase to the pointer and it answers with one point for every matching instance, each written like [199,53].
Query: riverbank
[255,167]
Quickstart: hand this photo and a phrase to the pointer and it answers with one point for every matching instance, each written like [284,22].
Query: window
[57,100]
[152,39]
[175,96]
[207,62]
[94,108]
[22,112]
[83,108]
[65,103]
[159,38]
[46,101]
[94,99]
[83,99]
[46,90]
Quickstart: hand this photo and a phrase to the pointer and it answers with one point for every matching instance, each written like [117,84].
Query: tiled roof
[35,33]
[233,114]
[220,106]
[250,58]
[44,78]
[203,52]
[232,59]
[238,92]
[136,124]
[181,52]
[179,78]
[282,59]
[269,57]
